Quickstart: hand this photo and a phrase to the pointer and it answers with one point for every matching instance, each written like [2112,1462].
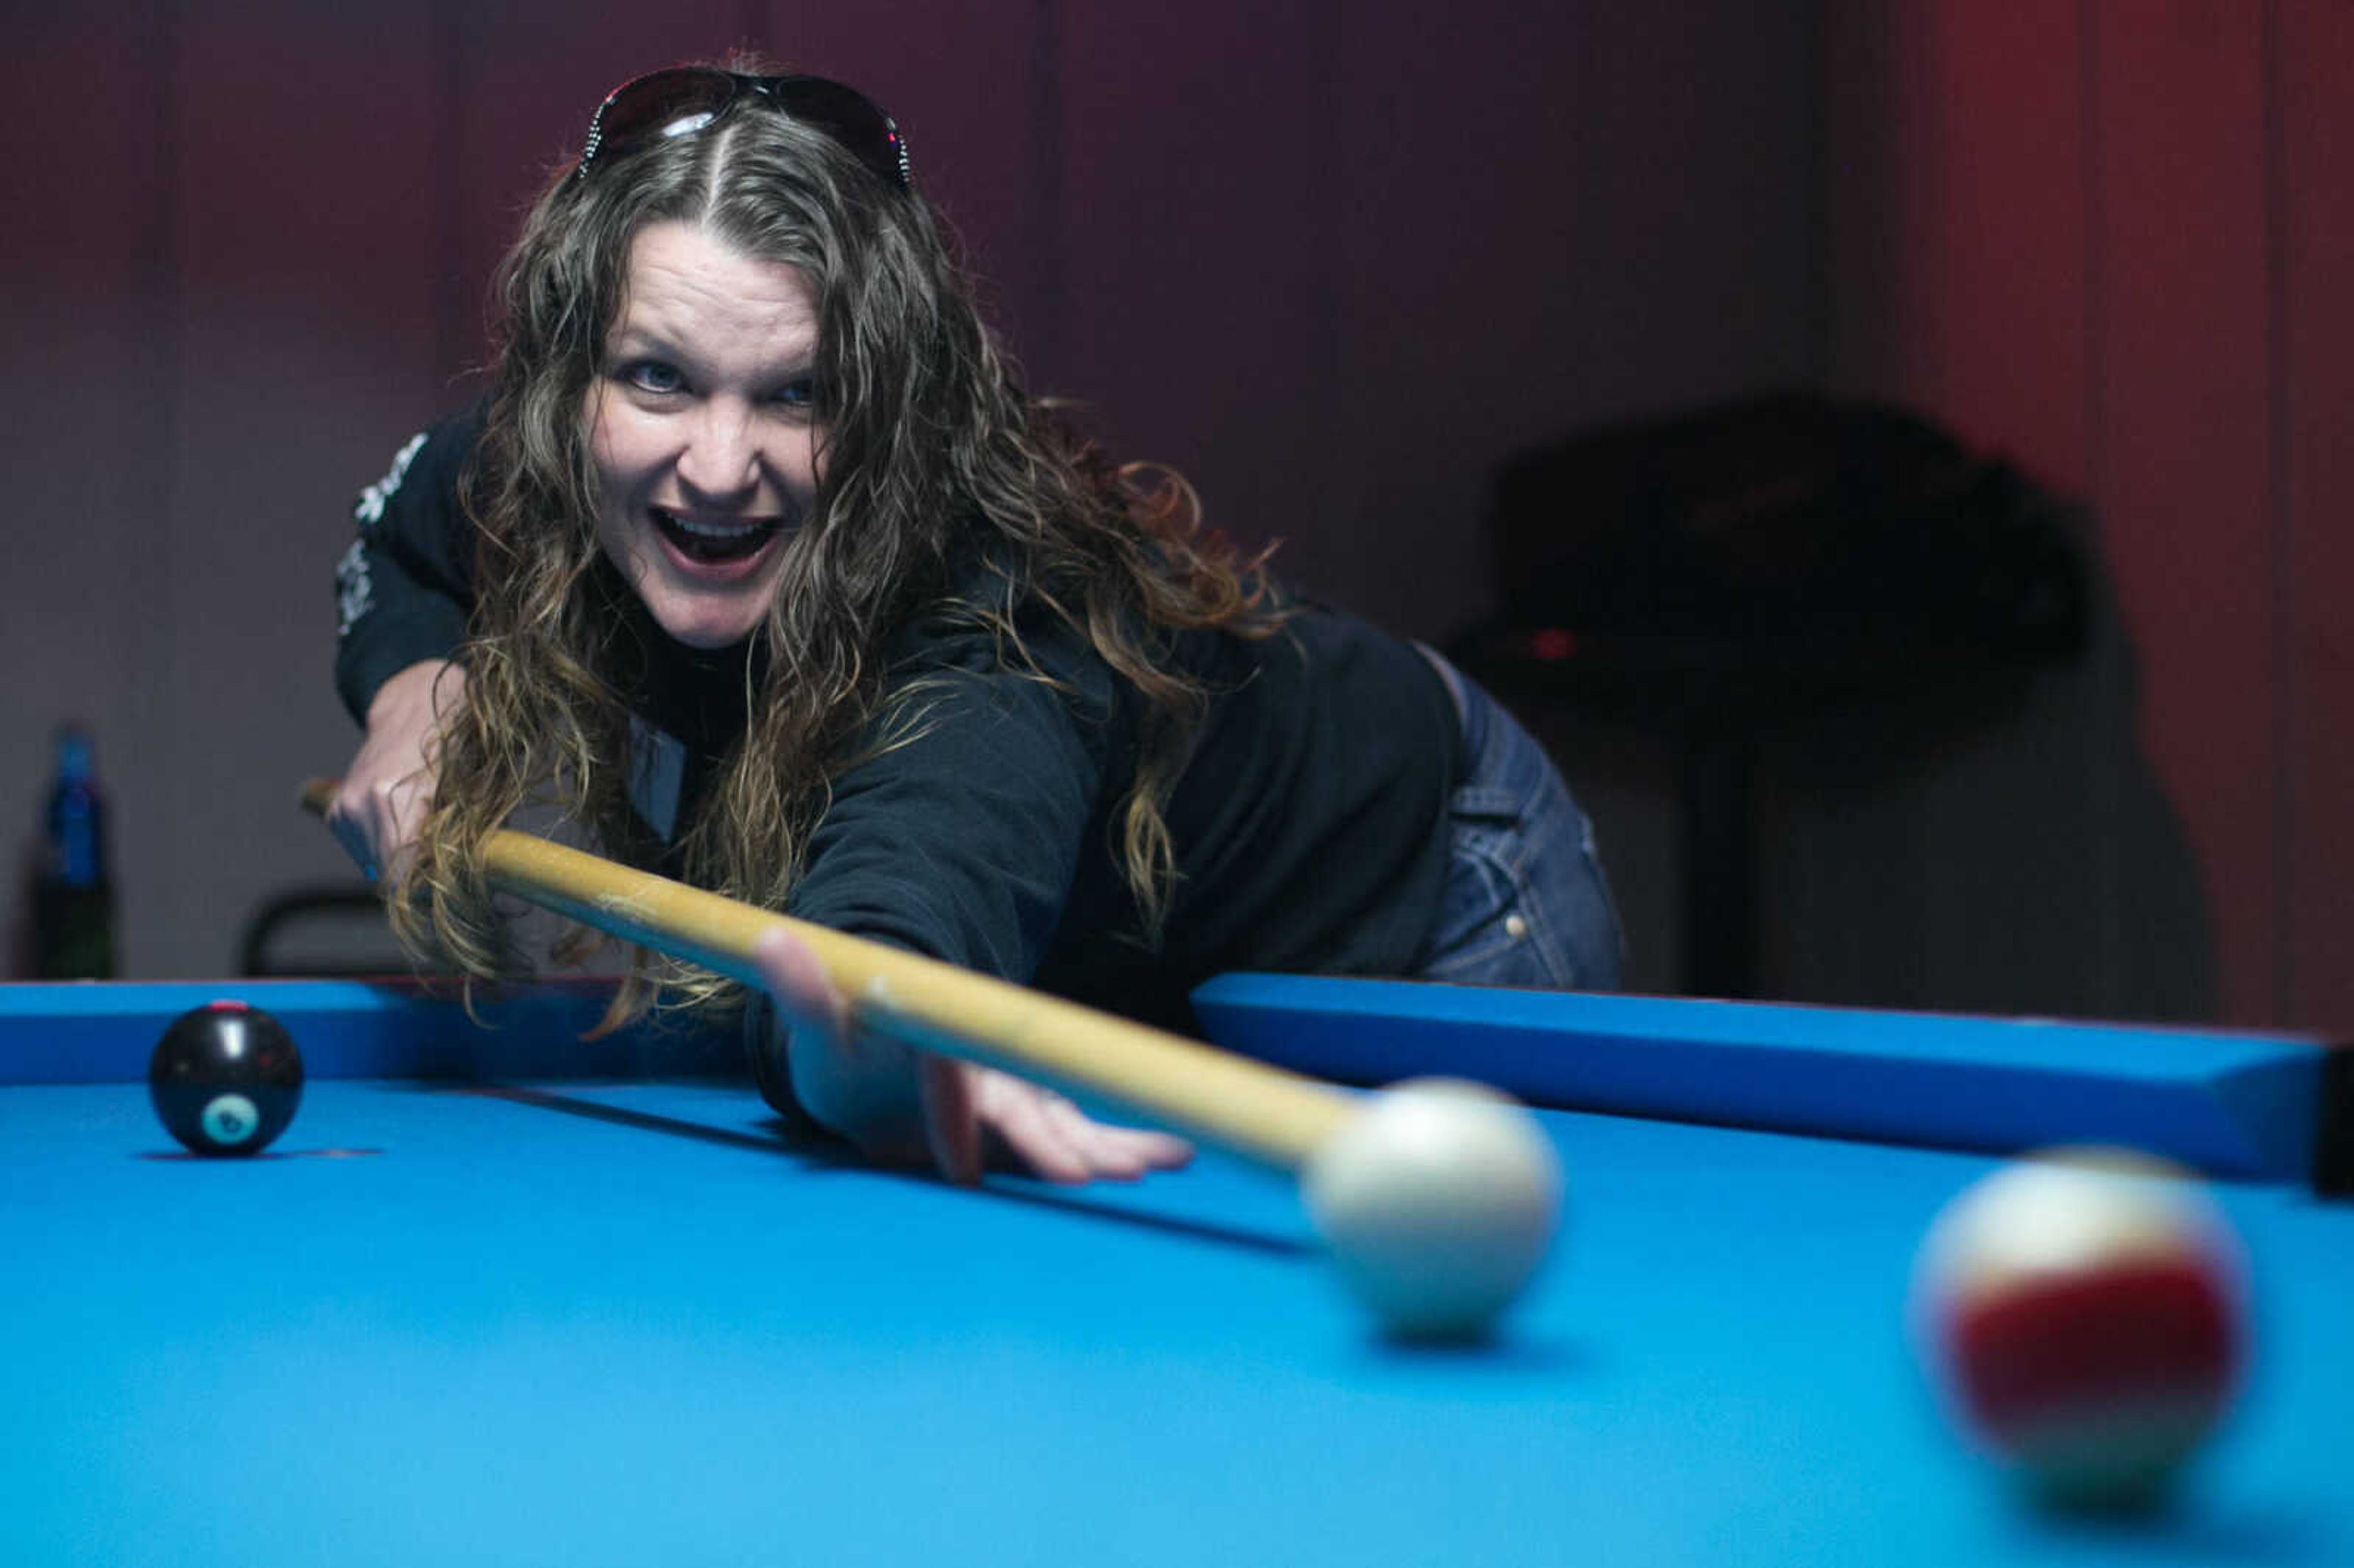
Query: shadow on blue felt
[1506,1348]
[2184,1526]
[266,1157]
[825,1154]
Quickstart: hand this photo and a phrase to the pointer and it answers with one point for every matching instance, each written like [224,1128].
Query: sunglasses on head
[684,99]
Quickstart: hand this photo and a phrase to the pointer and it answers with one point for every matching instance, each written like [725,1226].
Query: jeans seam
[1510,818]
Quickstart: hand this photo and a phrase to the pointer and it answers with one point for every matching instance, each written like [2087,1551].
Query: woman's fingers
[902,1105]
[951,1127]
[1015,1114]
[388,786]
[1108,1153]
[354,834]
[1059,1143]
[375,821]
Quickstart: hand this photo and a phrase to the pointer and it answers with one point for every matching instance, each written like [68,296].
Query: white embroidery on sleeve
[370,507]
[355,593]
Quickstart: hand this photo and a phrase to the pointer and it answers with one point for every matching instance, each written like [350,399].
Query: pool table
[503,1295]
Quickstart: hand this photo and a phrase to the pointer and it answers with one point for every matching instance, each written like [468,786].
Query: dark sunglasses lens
[667,104]
[850,117]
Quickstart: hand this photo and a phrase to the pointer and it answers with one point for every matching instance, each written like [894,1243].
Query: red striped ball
[2084,1312]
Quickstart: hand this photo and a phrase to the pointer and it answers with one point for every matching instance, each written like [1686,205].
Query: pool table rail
[2263,1107]
[103,1032]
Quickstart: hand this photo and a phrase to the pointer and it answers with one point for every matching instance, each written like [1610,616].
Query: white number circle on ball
[231,1118]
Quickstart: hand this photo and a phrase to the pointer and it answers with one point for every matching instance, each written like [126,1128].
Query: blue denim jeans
[1525,902]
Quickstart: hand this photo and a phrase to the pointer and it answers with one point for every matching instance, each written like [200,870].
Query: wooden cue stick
[1271,1115]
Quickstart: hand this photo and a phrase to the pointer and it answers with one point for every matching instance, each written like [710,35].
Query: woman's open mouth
[714,542]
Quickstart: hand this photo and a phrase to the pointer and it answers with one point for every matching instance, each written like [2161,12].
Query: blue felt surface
[103,1032]
[514,1333]
[2228,1103]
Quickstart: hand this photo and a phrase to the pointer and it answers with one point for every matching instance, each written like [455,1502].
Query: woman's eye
[652,376]
[799,393]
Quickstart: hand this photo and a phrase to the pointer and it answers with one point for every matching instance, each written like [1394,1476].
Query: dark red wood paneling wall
[2111,238]
[2313,119]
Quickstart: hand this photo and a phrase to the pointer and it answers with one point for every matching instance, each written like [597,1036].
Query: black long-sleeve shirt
[1308,823]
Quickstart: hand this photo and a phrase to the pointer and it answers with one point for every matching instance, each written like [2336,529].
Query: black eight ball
[225,1078]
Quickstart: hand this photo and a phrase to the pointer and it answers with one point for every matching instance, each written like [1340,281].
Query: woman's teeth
[702,540]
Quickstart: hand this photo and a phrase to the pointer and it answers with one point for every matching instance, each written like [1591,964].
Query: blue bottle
[73,899]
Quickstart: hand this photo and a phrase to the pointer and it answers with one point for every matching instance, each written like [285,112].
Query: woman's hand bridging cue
[903,1106]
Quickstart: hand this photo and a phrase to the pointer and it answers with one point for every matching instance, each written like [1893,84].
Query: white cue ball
[1438,1199]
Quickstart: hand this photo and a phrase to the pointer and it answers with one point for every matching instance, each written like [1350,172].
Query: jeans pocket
[1483,935]
[1524,903]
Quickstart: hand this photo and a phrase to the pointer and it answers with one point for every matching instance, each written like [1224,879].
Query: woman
[758,564]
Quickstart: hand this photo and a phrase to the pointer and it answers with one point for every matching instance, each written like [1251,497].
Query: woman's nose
[721,460]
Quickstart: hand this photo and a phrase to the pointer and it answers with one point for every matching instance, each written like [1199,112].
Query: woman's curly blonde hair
[926,444]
